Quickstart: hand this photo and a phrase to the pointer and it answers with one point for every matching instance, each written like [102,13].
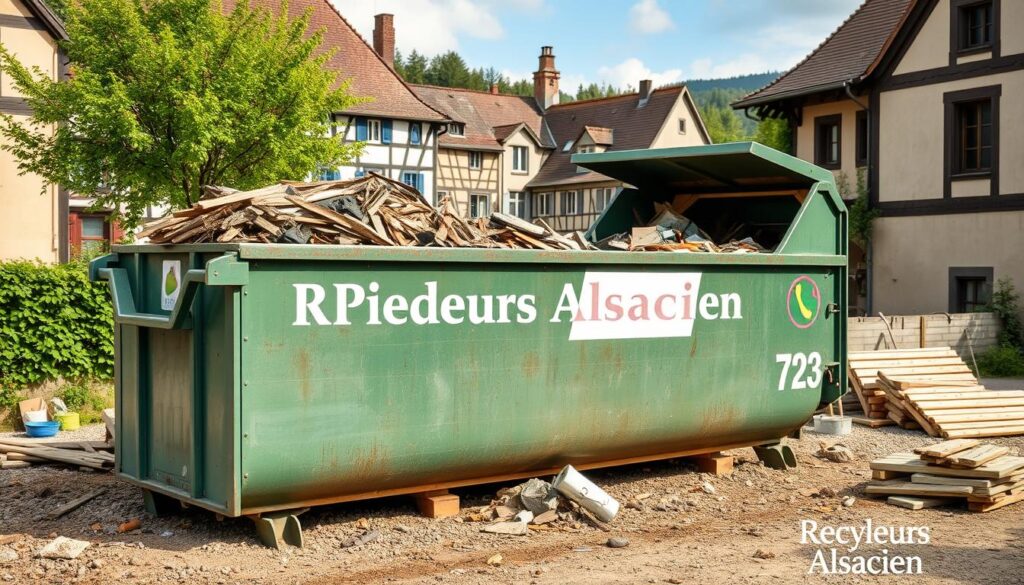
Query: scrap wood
[997,482]
[371,210]
[73,504]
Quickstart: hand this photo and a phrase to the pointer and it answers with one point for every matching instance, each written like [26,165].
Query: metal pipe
[868,255]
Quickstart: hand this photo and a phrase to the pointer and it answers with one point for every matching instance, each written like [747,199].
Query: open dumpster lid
[734,166]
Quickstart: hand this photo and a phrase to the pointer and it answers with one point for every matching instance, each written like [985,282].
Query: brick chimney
[545,80]
[494,88]
[645,92]
[384,37]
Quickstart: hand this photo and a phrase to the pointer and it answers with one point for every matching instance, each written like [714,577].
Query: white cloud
[646,17]
[632,70]
[433,26]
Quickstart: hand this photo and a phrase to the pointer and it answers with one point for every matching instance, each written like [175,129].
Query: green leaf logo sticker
[169,287]
[170,283]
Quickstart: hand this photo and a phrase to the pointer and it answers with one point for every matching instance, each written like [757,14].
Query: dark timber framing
[949,133]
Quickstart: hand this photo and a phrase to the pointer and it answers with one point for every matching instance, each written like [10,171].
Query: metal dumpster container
[259,379]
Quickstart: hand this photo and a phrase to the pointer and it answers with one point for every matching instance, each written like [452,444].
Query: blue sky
[612,41]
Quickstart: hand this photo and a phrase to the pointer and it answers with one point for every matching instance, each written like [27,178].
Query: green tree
[448,70]
[774,132]
[170,95]
[414,69]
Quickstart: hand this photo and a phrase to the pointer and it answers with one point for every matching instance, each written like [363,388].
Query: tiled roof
[602,136]
[356,60]
[634,127]
[848,54]
[483,113]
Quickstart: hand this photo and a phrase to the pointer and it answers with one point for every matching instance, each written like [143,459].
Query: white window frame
[682,125]
[543,204]
[479,156]
[517,199]
[603,197]
[575,208]
[456,129]
[474,202]
[520,159]
[373,131]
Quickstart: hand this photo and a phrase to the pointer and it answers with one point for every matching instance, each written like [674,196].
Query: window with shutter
[385,131]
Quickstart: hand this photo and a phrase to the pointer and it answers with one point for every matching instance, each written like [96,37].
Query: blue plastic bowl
[42,429]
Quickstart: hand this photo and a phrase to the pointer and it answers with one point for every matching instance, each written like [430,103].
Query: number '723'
[806,370]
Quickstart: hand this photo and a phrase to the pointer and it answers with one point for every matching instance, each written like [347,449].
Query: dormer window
[457,129]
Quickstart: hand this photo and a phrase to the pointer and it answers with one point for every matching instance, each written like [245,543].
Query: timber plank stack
[940,365]
[987,476]
[959,411]
[18,453]
[372,210]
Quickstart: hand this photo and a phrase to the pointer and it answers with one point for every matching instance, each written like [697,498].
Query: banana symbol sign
[803,301]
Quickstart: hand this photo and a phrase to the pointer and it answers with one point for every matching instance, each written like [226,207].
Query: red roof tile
[355,59]
[482,112]
[633,127]
[848,54]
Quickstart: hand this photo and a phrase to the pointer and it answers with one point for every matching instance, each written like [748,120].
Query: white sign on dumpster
[170,284]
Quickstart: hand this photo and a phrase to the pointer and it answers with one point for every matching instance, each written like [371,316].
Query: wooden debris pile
[371,210]
[987,476]
[16,453]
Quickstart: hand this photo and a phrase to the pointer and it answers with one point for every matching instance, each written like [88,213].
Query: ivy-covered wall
[54,324]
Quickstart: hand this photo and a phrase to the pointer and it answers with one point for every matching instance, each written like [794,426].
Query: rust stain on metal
[715,419]
[302,369]
[693,347]
[531,364]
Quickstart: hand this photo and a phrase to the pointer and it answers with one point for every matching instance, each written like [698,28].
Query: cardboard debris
[668,231]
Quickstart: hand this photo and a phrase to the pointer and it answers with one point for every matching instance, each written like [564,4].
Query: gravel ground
[747,530]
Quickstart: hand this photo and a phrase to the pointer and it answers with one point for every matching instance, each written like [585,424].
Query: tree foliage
[54,323]
[169,95]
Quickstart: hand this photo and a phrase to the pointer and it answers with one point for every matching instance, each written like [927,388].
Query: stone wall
[961,331]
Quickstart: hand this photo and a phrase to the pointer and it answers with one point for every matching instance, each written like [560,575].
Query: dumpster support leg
[160,505]
[778,456]
[438,504]
[714,463]
[276,529]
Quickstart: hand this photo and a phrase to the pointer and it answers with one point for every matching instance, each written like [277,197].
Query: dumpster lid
[733,166]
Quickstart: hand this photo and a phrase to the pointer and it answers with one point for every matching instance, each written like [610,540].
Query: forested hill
[746,83]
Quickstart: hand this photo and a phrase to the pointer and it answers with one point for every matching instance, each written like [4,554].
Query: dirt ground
[747,530]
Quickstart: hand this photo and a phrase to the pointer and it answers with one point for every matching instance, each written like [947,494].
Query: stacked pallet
[91,455]
[936,366]
[958,410]
[986,476]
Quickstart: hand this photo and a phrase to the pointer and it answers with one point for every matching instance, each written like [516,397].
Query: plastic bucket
[828,424]
[69,421]
[571,484]
[42,429]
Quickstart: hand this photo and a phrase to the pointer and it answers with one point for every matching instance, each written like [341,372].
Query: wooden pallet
[934,364]
[960,469]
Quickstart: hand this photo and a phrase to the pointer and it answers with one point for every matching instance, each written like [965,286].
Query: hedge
[54,323]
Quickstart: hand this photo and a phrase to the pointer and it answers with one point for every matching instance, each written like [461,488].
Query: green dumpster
[262,379]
